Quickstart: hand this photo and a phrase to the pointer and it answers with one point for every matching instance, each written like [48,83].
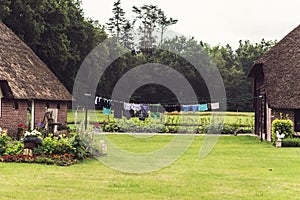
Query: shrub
[3,143]
[14,148]
[55,145]
[284,126]
[290,142]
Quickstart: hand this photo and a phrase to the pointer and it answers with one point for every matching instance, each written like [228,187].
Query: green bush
[290,142]
[14,148]
[284,126]
[4,140]
[55,145]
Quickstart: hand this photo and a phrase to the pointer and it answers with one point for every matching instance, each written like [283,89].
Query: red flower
[20,125]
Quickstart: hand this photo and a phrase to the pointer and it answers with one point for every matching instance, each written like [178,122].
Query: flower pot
[32,142]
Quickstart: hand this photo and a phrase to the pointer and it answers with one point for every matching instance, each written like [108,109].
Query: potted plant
[21,128]
[32,139]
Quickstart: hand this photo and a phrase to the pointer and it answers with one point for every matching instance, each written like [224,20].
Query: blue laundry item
[106,111]
[186,108]
[194,108]
[203,107]
[146,108]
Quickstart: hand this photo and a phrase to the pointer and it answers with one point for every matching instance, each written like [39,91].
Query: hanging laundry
[215,106]
[136,107]
[127,106]
[154,107]
[107,103]
[155,115]
[106,111]
[146,107]
[203,107]
[186,108]
[99,103]
[169,108]
[178,108]
[161,109]
[96,100]
[194,108]
[142,114]
[131,113]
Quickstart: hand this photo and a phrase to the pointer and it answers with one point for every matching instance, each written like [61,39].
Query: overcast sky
[215,21]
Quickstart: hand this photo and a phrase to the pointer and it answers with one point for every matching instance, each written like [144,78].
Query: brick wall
[41,108]
[10,116]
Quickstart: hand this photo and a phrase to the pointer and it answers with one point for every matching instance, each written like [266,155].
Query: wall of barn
[12,114]
[41,107]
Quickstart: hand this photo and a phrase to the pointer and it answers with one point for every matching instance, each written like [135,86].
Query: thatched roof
[25,75]
[281,67]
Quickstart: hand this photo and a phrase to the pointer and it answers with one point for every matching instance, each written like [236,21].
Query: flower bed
[59,150]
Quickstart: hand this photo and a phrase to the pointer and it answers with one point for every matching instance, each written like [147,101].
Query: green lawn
[238,167]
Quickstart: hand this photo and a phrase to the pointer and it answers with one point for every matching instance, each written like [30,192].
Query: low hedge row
[290,142]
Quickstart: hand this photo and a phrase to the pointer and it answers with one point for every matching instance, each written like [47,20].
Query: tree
[118,21]
[148,14]
[126,34]
[57,32]
[164,22]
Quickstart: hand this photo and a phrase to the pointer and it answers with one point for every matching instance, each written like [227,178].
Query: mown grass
[238,167]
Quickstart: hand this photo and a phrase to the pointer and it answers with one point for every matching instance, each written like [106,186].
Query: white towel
[215,106]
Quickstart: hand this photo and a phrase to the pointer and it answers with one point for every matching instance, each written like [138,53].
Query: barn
[276,85]
[28,88]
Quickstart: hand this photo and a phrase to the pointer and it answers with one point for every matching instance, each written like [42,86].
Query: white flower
[33,133]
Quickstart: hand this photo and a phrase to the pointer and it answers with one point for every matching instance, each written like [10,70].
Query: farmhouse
[276,84]
[28,88]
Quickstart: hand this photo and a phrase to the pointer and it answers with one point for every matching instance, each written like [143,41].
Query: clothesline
[227,100]
[107,103]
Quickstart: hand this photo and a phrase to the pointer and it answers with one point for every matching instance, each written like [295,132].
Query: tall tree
[117,22]
[148,14]
[126,37]
[164,23]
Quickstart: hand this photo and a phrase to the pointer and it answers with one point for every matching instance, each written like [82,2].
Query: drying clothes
[203,107]
[155,115]
[169,108]
[178,108]
[131,113]
[146,108]
[157,108]
[186,108]
[127,106]
[144,113]
[194,108]
[107,103]
[161,109]
[99,103]
[106,111]
[135,107]
[96,100]
[215,106]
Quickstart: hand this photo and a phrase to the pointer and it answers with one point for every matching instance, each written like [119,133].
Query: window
[47,105]
[16,105]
